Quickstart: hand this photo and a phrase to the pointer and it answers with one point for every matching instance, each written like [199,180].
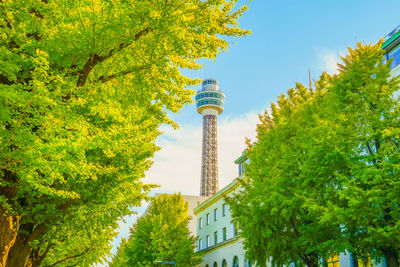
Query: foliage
[161,234]
[120,259]
[84,87]
[368,114]
[323,173]
[273,211]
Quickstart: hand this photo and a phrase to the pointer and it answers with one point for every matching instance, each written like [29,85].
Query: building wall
[224,249]
[214,225]
[193,202]
[396,71]
[225,252]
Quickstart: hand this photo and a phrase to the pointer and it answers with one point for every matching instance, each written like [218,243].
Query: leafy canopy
[84,87]
[323,173]
[161,234]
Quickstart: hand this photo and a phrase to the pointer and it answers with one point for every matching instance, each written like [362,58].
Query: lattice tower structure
[210,103]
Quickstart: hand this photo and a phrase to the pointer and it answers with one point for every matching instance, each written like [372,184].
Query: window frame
[224,206]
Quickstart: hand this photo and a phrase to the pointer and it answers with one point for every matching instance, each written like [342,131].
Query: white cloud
[177,165]
[329,60]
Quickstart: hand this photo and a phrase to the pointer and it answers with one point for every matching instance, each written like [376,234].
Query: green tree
[161,234]
[120,259]
[323,174]
[273,212]
[366,113]
[84,87]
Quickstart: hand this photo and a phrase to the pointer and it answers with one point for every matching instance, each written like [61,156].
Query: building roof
[241,158]
[220,194]
[392,39]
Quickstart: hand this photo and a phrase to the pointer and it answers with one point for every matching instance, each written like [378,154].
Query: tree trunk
[311,260]
[19,254]
[392,258]
[9,226]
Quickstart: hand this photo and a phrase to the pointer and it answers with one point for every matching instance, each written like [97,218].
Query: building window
[224,263]
[199,245]
[333,261]
[224,234]
[235,262]
[224,209]
[395,54]
[234,229]
[215,238]
[208,218]
[200,223]
[207,241]
[241,169]
[247,262]
[215,264]
[215,215]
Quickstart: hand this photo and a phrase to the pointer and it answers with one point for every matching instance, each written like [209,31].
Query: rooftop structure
[210,103]
[391,45]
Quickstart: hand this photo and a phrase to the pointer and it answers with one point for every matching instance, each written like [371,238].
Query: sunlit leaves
[162,233]
[84,88]
[324,172]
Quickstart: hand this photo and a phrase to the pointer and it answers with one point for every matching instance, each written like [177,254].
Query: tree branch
[38,231]
[65,206]
[44,255]
[35,256]
[95,59]
[67,258]
[371,153]
[377,144]
[104,79]
[5,80]
[10,163]
[294,227]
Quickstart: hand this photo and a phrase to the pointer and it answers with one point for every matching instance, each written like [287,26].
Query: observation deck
[210,97]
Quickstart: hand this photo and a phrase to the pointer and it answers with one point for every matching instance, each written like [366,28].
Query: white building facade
[218,239]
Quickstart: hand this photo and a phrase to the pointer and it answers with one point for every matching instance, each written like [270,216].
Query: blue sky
[288,38]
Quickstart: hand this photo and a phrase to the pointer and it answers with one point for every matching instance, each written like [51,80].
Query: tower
[210,103]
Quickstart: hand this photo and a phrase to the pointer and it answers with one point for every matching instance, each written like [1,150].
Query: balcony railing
[387,37]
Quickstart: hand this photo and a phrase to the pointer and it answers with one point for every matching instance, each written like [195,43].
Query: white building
[218,239]
[391,45]
[217,236]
